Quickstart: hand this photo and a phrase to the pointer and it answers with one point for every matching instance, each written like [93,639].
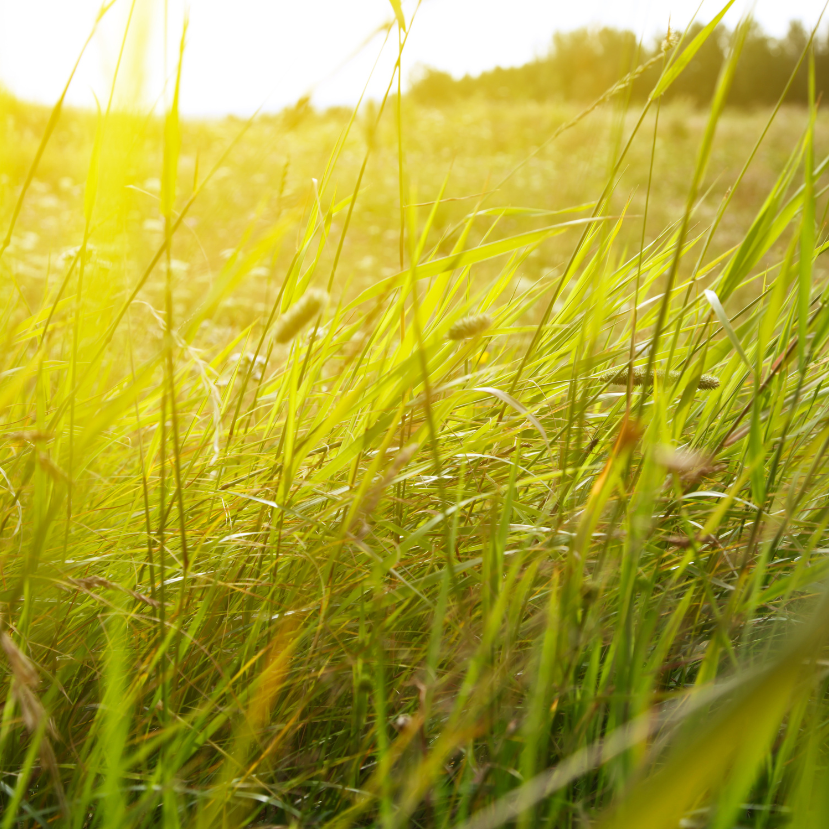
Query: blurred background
[485,85]
[260,53]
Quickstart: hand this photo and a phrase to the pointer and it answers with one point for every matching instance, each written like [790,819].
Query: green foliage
[583,63]
[317,545]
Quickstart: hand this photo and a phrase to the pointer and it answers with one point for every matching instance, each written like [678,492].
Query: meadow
[415,466]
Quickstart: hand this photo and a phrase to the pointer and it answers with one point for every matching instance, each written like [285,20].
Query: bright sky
[242,54]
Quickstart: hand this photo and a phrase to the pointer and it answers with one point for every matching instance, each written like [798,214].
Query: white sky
[244,53]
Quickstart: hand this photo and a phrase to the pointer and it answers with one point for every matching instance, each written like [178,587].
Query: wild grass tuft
[395,580]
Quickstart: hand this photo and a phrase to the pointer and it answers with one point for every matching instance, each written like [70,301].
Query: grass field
[349,480]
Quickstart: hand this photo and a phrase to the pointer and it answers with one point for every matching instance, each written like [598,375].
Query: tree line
[582,64]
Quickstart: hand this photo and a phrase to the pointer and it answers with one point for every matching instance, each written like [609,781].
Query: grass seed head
[671,39]
[300,314]
[91,582]
[683,461]
[685,541]
[24,685]
[144,599]
[402,722]
[22,669]
[469,327]
[374,495]
[30,436]
[643,377]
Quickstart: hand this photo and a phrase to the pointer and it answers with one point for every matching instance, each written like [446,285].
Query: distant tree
[792,47]
[433,87]
[795,41]
[583,63]
[699,80]
[761,72]
[293,116]
[822,67]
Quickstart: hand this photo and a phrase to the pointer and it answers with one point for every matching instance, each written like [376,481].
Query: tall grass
[450,551]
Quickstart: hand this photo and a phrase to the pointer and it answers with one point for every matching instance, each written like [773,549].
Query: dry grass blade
[35,718]
[373,496]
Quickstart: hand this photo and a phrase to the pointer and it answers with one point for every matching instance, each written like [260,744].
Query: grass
[428,552]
